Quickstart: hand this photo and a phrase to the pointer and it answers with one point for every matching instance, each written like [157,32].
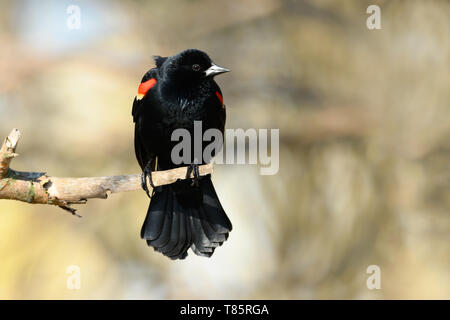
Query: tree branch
[38,187]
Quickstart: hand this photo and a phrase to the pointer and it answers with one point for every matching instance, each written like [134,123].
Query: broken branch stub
[38,187]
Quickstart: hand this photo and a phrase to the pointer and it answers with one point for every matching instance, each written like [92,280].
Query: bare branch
[38,187]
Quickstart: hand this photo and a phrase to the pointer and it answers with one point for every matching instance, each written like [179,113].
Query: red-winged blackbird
[186,214]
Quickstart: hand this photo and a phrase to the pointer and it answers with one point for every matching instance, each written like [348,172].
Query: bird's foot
[193,168]
[147,172]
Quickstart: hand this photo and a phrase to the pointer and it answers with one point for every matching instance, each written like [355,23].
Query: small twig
[7,152]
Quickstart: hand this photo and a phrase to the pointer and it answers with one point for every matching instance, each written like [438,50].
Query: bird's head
[190,65]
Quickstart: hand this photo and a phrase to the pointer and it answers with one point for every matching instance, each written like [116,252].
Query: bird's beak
[214,70]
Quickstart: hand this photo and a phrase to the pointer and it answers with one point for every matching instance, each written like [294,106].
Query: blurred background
[364,119]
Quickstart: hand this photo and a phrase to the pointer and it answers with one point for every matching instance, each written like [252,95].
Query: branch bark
[39,188]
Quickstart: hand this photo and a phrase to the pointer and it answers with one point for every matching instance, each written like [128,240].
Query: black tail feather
[154,222]
[178,237]
[187,243]
[174,235]
[175,223]
[164,235]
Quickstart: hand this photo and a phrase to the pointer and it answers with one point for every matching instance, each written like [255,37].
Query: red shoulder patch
[220,97]
[144,87]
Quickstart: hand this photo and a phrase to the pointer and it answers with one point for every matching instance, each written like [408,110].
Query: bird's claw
[147,172]
[193,168]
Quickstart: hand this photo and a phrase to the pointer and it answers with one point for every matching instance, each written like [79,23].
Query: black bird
[186,214]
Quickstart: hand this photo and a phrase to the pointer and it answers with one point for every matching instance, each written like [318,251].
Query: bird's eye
[196,67]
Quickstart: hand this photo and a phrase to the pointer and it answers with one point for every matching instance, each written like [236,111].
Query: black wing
[143,155]
[137,104]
